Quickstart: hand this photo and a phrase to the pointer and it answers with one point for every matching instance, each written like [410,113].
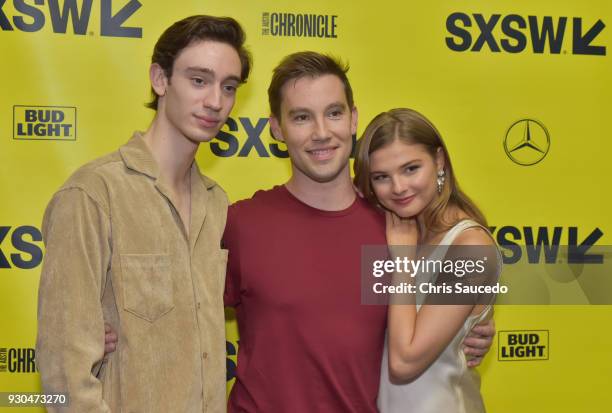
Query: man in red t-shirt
[307,344]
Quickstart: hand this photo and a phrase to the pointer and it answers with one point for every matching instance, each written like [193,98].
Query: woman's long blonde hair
[409,126]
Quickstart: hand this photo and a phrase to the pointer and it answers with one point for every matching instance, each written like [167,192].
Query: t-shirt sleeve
[231,297]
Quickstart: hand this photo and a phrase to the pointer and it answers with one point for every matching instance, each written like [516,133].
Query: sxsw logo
[512,33]
[20,246]
[228,144]
[522,345]
[230,363]
[244,136]
[55,123]
[17,360]
[30,16]
[543,244]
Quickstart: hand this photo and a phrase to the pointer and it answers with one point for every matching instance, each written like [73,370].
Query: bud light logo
[50,123]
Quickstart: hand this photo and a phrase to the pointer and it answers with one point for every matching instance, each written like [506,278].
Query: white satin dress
[448,385]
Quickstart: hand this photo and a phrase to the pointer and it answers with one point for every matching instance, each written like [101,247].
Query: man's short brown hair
[301,64]
[198,28]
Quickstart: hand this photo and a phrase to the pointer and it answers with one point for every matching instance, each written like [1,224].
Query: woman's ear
[439,159]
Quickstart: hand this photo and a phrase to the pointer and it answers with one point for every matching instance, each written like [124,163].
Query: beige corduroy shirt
[117,251]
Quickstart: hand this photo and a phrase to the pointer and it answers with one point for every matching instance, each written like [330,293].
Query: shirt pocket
[148,290]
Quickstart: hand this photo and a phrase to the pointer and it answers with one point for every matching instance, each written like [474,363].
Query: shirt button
[198,305]
[205,355]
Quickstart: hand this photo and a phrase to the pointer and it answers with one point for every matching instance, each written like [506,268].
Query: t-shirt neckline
[321,212]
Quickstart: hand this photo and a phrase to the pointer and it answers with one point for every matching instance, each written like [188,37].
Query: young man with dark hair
[134,238]
[307,344]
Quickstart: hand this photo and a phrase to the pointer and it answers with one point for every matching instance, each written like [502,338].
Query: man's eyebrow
[333,105]
[200,69]
[340,105]
[234,78]
[210,72]
[297,110]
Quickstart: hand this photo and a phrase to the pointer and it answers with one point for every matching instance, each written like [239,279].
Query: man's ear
[159,81]
[276,129]
[354,117]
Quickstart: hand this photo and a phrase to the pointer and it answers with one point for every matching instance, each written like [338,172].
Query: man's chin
[202,137]
[323,177]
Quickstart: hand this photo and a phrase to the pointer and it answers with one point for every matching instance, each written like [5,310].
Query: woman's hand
[401,231]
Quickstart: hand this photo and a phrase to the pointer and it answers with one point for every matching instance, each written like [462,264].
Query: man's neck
[335,195]
[173,153]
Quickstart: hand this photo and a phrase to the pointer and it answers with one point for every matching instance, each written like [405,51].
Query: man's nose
[213,99]
[321,131]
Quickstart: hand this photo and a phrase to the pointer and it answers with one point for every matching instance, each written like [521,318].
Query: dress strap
[454,232]
[458,228]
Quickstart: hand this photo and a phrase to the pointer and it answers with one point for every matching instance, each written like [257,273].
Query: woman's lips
[404,201]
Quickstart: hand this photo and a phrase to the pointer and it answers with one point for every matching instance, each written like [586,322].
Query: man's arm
[231,295]
[478,342]
[70,342]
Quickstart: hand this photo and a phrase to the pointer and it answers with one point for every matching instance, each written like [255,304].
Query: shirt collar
[137,157]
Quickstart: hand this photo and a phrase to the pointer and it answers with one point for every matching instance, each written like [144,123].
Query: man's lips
[207,121]
[404,201]
[322,154]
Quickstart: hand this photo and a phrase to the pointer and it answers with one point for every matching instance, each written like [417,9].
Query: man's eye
[197,81]
[300,118]
[335,113]
[230,89]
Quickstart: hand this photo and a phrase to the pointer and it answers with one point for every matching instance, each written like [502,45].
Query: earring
[440,180]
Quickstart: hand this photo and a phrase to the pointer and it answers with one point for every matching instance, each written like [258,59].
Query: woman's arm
[416,339]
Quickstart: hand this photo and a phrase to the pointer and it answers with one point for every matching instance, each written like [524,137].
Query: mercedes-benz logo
[527,142]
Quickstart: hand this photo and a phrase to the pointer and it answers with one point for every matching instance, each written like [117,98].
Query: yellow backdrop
[75,81]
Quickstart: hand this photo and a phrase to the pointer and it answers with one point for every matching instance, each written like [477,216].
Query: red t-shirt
[307,344]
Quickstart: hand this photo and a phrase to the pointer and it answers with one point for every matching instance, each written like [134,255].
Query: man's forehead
[212,55]
[298,92]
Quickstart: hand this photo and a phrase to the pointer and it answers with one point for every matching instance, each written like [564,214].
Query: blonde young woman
[403,166]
